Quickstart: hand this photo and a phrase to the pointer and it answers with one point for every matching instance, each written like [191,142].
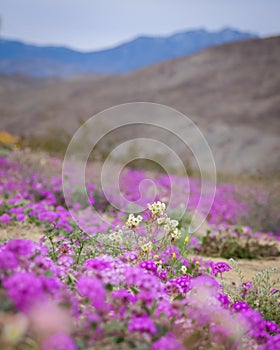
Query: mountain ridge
[46,61]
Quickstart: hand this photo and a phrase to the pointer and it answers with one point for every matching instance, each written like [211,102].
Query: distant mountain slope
[231,91]
[18,57]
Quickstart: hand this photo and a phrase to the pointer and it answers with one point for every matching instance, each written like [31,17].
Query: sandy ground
[25,231]
[250,267]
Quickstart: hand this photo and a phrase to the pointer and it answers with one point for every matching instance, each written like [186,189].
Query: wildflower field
[148,280]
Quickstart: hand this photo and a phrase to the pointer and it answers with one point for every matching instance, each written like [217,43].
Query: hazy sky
[94,24]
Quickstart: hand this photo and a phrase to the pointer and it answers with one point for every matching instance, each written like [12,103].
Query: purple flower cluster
[149,265]
[142,324]
[93,290]
[117,296]
[220,267]
[139,299]
[180,284]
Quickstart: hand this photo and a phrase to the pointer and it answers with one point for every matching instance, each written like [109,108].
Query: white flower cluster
[116,236]
[157,208]
[133,222]
[176,234]
[170,227]
[146,248]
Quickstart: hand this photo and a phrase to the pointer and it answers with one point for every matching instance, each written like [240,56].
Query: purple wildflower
[220,267]
[142,324]
[124,296]
[205,281]
[240,306]
[168,342]
[148,265]
[21,247]
[20,217]
[59,341]
[24,289]
[273,343]
[224,300]
[272,327]
[179,285]
[5,218]
[92,288]
[98,264]
[8,260]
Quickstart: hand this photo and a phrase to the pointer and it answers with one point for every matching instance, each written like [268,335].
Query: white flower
[157,208]
[161,221]
[184,270]
[116,237]
[146,248]
[133,222]
[176,234]
[170,225]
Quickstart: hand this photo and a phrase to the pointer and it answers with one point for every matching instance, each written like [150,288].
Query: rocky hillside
[231,91]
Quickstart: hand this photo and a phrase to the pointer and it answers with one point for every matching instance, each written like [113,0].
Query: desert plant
[237,242]
[260,293]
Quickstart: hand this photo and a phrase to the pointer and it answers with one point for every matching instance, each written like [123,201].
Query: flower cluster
[147,247]
[220,267]
[157,208]
[170,227]
[73,291]
[116,237]
[133,222]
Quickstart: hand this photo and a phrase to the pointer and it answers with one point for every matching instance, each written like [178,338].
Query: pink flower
[59,341]
[142,324]
[5,218]
[20,217]
[220,267]
[92,288]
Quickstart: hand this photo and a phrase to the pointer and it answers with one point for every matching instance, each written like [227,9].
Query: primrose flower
[116,237]
[161,220]
[184,270]
[133,221]
[170,225]
[157,208]
[176,234]
[146,248]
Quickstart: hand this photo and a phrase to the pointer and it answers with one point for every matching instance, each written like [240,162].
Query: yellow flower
[174,256]
[186,239]
[7,138]
[197,263]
